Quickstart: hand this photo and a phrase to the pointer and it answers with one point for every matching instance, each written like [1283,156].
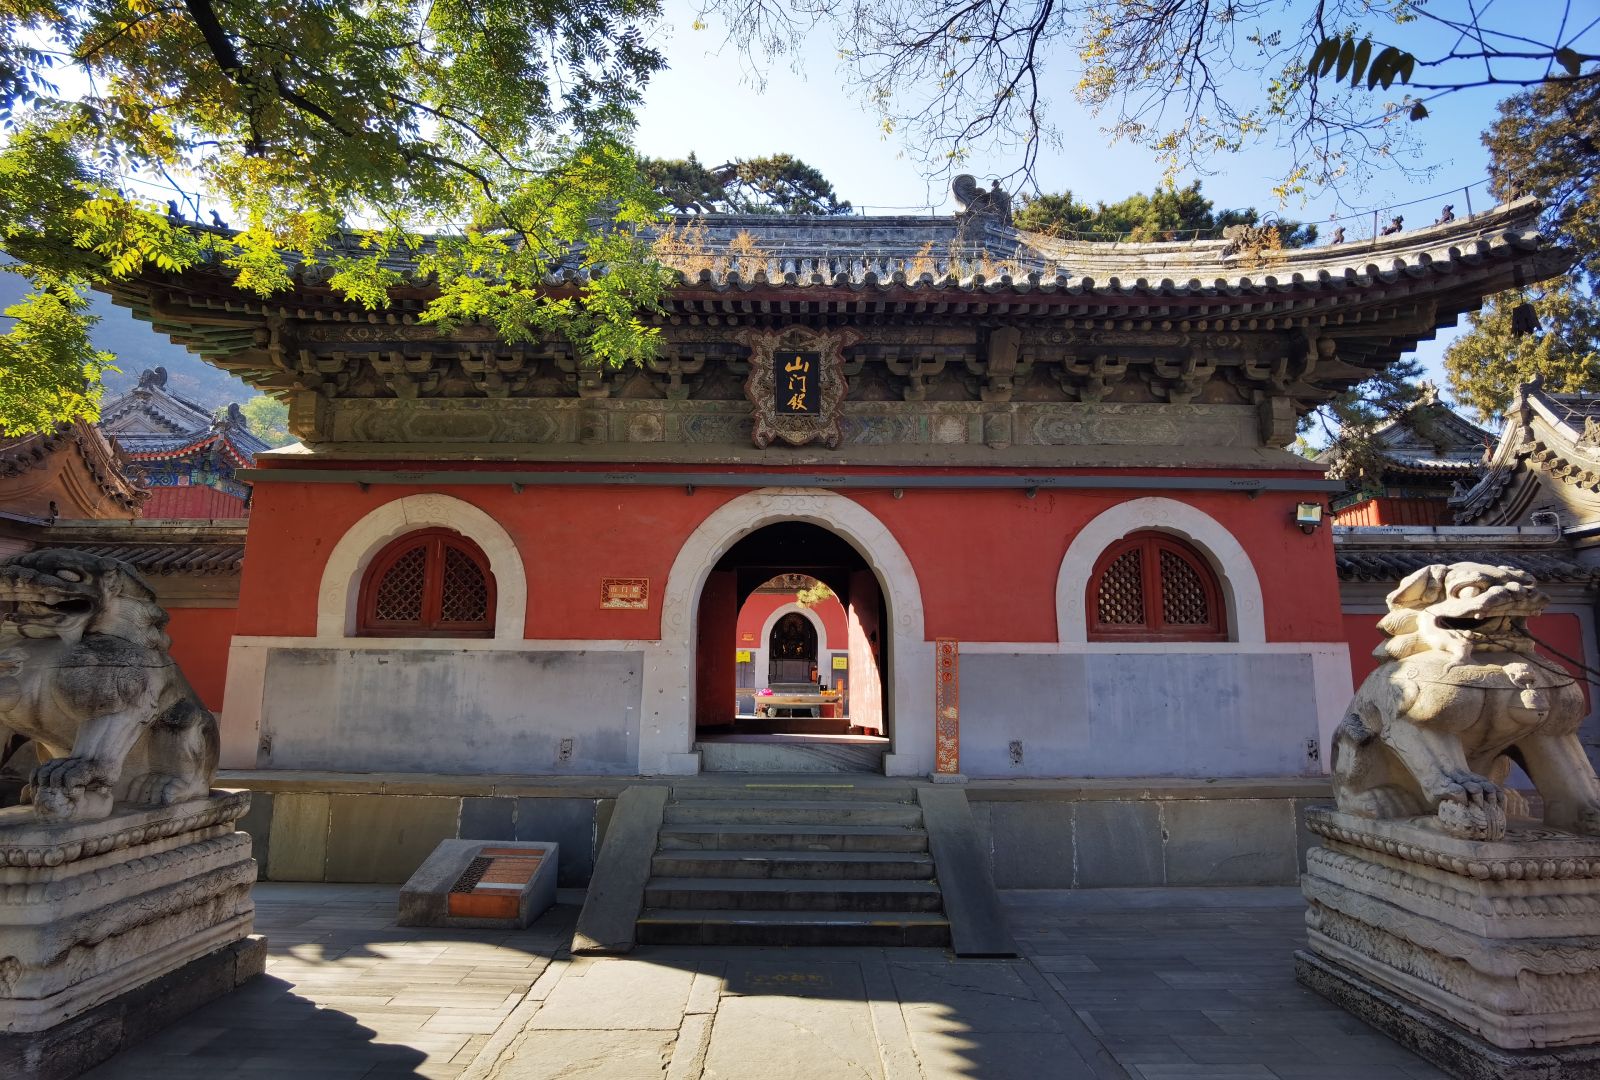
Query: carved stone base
[78,1045]
[92,911]
[1448,1046]
[1497,939]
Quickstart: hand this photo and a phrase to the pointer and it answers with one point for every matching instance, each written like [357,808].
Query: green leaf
[1323,57]
[1359,65]
[1347,55]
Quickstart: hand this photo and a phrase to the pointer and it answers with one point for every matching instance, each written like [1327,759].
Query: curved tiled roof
[1377,297]
[1392,565]
[102,458]
[169,558]
[1551,435]
[241,446]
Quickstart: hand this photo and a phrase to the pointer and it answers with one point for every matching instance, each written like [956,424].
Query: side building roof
[151,423]
[1429,439]
[74,471]
[1546,462]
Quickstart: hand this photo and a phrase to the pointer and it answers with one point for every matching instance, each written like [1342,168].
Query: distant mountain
[137,347]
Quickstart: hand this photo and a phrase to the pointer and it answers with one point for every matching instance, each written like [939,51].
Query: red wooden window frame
[437,542]
[1150,546]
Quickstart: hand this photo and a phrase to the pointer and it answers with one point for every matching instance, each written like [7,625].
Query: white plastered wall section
[1326,663]
[667,739]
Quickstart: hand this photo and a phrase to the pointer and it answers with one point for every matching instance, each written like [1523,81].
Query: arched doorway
[672,675]
[812,679]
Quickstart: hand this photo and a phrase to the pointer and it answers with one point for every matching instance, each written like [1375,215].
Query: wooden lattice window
[1153,587]
[432,583]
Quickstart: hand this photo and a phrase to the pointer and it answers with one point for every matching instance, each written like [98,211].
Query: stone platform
[96,916]
[1494,943]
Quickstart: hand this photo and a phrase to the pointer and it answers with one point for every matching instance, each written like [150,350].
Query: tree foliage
[1187,79]
[1545,143]
[812,594]
[1349,422]
[1165,214]
[489,142]
[1488,363]
[268,419]
[777,184]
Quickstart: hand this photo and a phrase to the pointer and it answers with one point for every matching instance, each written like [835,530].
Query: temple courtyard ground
[1150,984]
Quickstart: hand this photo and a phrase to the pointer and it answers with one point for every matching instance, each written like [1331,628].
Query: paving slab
[987,997]
[793,1037]
[618,995]
[587,1055]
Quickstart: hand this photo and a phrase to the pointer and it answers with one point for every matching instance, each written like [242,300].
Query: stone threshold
[1110,789]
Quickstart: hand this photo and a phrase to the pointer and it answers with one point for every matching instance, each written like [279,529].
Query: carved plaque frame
[760,385]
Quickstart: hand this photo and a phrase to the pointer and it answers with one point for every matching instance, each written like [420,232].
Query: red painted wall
[1396,511]
[753,616]
[194,501]
[200,638]
[986,561]
[1563,630]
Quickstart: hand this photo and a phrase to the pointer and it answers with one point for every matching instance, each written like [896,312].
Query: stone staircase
[800,864]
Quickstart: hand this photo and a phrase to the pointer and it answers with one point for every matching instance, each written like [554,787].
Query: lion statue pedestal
[1439,909]
[124,881]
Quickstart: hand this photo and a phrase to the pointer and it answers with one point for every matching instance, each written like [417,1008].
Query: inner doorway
[792,656]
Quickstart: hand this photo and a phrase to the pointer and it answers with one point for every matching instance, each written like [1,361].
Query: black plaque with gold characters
[797,384]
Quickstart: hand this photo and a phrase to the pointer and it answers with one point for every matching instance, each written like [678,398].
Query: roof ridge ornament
[975,202]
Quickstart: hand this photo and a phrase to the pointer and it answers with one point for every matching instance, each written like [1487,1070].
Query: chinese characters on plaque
[629,594]
[798,383]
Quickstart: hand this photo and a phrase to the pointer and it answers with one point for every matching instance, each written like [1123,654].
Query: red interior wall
[753,616]
[200,638]
[986,561]
[714,673]
[1562,629]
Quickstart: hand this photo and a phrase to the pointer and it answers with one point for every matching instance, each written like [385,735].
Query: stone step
[792,838]
[766,894]
[792,812]
[800,788]
[795,865]
[722,927]
[718,756]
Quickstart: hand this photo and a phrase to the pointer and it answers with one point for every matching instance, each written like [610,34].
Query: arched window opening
[431,583]
[1153,587]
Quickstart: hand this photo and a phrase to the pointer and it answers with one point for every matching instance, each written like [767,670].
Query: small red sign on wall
[625,593]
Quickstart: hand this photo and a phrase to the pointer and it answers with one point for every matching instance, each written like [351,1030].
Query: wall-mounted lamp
[1308,516]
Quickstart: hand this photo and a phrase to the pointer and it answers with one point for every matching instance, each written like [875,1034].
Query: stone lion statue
[1460,696]
[85,673]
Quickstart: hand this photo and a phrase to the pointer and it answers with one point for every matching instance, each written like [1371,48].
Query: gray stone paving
[1149,984]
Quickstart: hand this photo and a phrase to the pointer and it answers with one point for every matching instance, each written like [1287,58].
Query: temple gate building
[1045,480]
